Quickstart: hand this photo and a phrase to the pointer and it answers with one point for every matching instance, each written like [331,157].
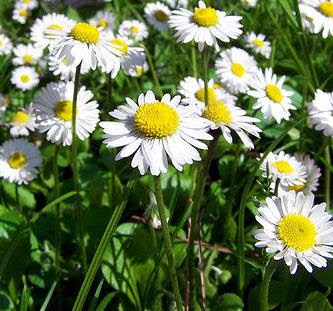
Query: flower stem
[153,72]
[265,284]
[194,61]
[167,242]
[18,203]
[328,175]
[57,233]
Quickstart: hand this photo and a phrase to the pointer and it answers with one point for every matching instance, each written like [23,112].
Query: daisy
[321,112]
[284,167]
[157,14]
[296,230]
[272,99]
[133,29]
[138,70]
[26,54]
[43,27]
[22,122]
[258,44]
[176,4]
[153,130]
[30,4]
[3,104]
[53,110]
[5,45]
[249,3]
[20,13]
[204,26]
[24,78]
[103,19]
[19,161]
[235,68]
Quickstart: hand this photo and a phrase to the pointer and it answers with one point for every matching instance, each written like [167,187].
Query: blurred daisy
[44,27]
[20,13]
[249,3]
[138,70]
[26,54]
[30,4]
[296,230]
[103,19]
[19,161]
[53,110]
[177,4]
[133,29]
[204,26]
[284,167]
[272,99]
[5,45]
[24,78]
[157,14]
[258,44]
[153,130]
[235,69]
[321,112]
[22,122]
[3,104]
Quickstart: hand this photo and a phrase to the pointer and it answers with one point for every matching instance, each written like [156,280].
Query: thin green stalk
[167,242]
[328,175]
[108,106]
[194,61]
[57,233]
[276,189]
[153,72]
[18,203]
[265,284]
[78,208]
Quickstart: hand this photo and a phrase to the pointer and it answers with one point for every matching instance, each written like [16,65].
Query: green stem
[78,208]
[18,203]
[57,233]
[167,242]
[276,189]
[265,284]
[194,61]
[108,106]
[328,175]
[153,72]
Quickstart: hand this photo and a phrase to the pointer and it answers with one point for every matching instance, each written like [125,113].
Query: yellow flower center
[63,110]
[84,32]
[258,42]
[17,160]
[23,13]
[20,117]
[27,59]
[297,232]
[135,29]
[200,95]
[102,23]
[25,78]
[283,167]
[274,93]
[1,42]
[216,86]
[25,1]
[205,17]
[296,187]
[217,112]
[238,70]
[139,70]
[156,120]
[161,16]
[121,45]
[326,8]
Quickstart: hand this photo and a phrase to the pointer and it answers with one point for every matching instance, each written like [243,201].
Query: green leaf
[316,301]
[5,302]
[229,302]
[286,7]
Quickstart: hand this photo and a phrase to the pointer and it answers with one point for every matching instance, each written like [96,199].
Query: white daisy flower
[53,110]
[249,3]
[235,68]
[19,161]
[284,167]
[153,130]
[20,13]
[103,19]
[177,4]
[5,45]
[296,230]
[44,27]
[26,54]
[138,70]
[204,26]
[22,122]
[30,4]
[133,29]
[272,99]
[321,112]
[157,15]
[24,78]
[258,43]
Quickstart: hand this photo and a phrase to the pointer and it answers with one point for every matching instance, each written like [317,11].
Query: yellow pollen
[63,110]
[156,120]
[205,17]
[216,86]
[296,187]
[25,1]
[238,70]
[326,8]
[161,16]
[25,78]
[139,70]
[283,167]
[274,93]
[1,42]
[64,61]
[121,45]
[200,95]
[217,112]
[297,232]
[20,117]
[258,42]
[102,23]
[84,32]
[135,29]
[17,160]
[27,59]
[23,13]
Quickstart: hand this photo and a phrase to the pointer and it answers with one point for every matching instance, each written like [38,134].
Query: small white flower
[258,44]
[22,122]
[157,14]
[103,19]
[3,104]
[133,29]
[24,78]
[30,4]
[20,13]
[138,70]
[26,54]
[249,3]
[177,4]
[5,45]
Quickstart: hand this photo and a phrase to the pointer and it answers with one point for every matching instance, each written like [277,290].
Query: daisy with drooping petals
[204,26]
[53,110]
[284,167]
[6,45]
[20,13]
[138,70]
[133,29]
[24,78]
[103,19]
[153,130]
[235,68]
[19,161]
[296,230]
[258,44]
[157,15]
[26,54]
[22,122]
[321,112]
[272,99]
[30,4]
